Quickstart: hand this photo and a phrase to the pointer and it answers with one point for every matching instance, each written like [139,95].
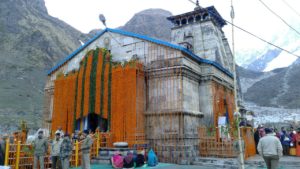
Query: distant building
[134,86]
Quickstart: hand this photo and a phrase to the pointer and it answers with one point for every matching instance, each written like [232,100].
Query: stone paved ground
[256,162]
[188,167]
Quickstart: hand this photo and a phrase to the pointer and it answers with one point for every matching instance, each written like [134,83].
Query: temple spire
[198,7]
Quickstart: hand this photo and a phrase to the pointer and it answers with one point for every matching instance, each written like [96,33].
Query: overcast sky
[249,14]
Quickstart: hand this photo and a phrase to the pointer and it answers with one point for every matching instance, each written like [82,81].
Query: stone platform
[106,153]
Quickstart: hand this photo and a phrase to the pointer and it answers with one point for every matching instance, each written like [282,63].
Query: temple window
[191,20]
[183,21]
[198,18]
[205,16]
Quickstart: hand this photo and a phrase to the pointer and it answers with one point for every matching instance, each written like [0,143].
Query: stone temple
[144,90]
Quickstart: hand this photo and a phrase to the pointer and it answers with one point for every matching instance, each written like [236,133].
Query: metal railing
[213,142]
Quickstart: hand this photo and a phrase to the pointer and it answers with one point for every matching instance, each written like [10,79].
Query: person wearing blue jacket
[152,159]
[285,141]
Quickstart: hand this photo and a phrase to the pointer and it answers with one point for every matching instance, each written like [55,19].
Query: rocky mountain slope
[31,42]
[279,88]
[151,22]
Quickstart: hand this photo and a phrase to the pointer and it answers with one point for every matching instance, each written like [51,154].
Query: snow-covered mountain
[268,57]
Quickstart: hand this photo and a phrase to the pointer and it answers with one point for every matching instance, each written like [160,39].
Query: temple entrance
[95,121]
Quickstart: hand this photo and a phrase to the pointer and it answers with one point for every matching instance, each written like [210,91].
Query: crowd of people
[61,149]
[272,144]
[287,138]
[134,159]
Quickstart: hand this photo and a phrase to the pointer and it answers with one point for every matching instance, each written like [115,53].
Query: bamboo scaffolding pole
[76,153]
[18,155]
[6,152]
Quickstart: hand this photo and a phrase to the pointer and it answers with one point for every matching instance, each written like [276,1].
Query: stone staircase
[211,162]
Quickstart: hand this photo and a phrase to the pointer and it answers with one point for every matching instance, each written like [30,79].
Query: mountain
[261,63]
[277,88]
[31,42]
[266,57]
[151,22]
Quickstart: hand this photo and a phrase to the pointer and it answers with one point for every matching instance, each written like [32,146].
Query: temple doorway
[95,121]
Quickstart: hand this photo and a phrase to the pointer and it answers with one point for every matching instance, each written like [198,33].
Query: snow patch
[283,60]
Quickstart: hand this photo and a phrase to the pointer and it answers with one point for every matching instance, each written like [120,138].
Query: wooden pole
[76,154]
[6,152]
[18,154]
[98,144]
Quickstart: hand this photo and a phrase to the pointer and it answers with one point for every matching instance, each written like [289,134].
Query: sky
[249,14]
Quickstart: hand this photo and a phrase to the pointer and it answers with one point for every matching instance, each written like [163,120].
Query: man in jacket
[270,148]
[66,151]
[85,149]
[257,136]
[55,150]
[40,145]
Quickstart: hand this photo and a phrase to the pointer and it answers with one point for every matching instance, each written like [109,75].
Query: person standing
[270,148]
[285,141]
[66,151]
[85,149]
[55,150]
[40,145]
[257,137]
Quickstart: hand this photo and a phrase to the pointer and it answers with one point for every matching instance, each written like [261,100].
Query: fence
[216,143]
[20,156]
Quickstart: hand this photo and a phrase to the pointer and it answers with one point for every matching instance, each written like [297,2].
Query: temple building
[134,86]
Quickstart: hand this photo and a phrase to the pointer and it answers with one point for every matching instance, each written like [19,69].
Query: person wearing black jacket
[257,137]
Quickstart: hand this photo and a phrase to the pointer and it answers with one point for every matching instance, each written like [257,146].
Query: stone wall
[208,42]
[173,136]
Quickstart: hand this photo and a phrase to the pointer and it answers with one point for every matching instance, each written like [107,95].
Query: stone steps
[225,163]
[232,163]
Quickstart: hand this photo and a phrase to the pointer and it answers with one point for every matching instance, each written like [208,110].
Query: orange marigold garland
[75,101]
[82,88]
[93,74]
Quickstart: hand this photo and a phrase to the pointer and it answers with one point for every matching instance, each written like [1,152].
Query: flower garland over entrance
[101,94]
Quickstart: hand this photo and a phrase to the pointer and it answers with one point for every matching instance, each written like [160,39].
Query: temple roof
[143,37]
[210,10]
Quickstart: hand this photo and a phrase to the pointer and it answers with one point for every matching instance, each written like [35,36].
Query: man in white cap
[60,131]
